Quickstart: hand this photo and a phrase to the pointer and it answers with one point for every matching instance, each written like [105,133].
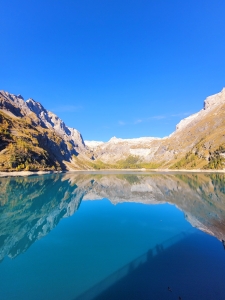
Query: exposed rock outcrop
[40,116]
[47,141]
[93,144]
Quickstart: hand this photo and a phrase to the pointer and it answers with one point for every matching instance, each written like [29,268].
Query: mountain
[33,138]
[93,144]
[198,142]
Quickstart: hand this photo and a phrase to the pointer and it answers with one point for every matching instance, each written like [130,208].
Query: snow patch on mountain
[115,140]
[93,144]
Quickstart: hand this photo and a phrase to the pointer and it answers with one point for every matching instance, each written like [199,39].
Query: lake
[113,236]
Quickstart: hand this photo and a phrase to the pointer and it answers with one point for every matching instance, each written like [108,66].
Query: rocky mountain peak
[209,103]
[93,144]
[62,141]
[34,106]
[20,96]
[17,106]
[214,100]
[13,103]
[114,139]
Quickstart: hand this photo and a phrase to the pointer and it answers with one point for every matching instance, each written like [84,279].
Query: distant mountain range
[33,138]
[198,142]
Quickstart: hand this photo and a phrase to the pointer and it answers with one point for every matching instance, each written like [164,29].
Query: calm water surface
[115,236]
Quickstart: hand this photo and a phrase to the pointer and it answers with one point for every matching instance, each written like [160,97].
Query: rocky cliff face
[40,116]
[27,127]
[198,142]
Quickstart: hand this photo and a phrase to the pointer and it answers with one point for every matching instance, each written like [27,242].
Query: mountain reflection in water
[30,207]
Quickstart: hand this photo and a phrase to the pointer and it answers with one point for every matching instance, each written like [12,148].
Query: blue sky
[114,68]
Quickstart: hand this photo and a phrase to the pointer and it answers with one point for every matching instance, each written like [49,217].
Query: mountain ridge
[197,142]
[33,138]
[28,129]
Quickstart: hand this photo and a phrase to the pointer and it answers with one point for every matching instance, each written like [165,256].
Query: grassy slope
[201,144]
[20,147]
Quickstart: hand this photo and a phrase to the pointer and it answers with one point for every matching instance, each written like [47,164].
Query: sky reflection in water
[96,252]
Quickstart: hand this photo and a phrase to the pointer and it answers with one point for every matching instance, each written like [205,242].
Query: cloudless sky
[127,68]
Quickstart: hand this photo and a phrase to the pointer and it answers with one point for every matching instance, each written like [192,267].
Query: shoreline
[105,171]
[27,173]
[145,171]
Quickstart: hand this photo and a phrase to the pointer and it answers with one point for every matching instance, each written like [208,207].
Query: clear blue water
[112,237]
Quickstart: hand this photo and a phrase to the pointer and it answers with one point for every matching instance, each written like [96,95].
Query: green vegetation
[196,159]
[98,165]
[20,146]
[150,165]
[131,162]
[217,159]
[189,161]
[216,163]
[80,164]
